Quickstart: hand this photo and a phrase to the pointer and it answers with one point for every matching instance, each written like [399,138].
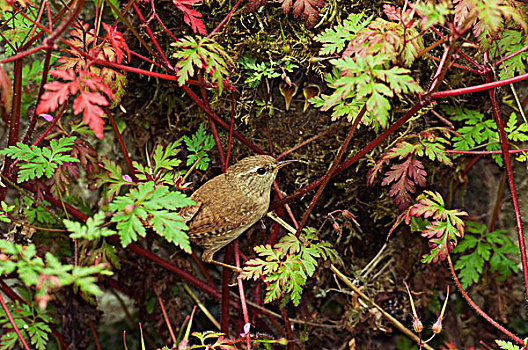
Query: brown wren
[230,203]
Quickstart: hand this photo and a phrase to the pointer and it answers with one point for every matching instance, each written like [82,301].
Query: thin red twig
[224,20]
[477,308]
[121,143]
[12,321]
[511,182]
[230,129]
[242,296]
[332,169]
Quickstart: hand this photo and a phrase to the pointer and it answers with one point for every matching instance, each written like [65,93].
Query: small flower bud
[347,214]
[336,227]
[437,326]
[417,324]
[129,208]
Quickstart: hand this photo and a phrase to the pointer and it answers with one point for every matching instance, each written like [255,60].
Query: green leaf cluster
[198,145]
[153,206]
[4,213]
[32,323]
[511,41]
[336,38]
[206,338]
[49,273]
[444,228]
[480,132]
[201,52]
[287,265]
[368,80]
[37,161]
[161,165]
[91,230]
[480,247]
[507,345]
[260,70]
[16,30]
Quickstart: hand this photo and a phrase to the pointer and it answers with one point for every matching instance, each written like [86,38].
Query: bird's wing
[218,216]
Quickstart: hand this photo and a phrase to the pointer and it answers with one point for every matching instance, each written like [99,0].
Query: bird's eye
[261,171]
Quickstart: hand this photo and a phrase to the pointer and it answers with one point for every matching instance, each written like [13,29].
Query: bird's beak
[286,162]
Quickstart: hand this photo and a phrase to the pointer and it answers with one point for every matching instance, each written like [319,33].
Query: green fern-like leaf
[198,145]
[39,161]
[151,206]
[479,248]
[204,53]
[161,165]
[334,39]
[288,264]
[31,322]
[504,345]
[92,230]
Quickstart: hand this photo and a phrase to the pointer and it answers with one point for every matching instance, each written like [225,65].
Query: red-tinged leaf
[395,14]
[57,94]
[191,17]
[405,176]
[115,38]
[254,5]
[94,83]
[63,74]
[286,5]
[88,103]
[401,150]
[376,169]
[306,9]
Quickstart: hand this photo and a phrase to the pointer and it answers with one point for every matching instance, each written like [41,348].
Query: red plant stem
[511,182]
[155,14]
[57,33]
[14,121]
[230,129]
[13,296]
[152,37]
[311,139]
[347,163]
[121,144]
[52,124]
[476,88]
[25,53]
[287,326]
[6,310]
[33,115]
[513,54]
[471,70]
[224,305]
[461,53]
[202,268]
[332,169]
[94,336]
[510,151]
[440,71]
[167,265]
[224,20]
[470,165]
[477,308]
[212,125]
[165,316]
[222,123]
[242,296]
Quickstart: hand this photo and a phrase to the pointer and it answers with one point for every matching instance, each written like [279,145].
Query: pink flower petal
[48,117]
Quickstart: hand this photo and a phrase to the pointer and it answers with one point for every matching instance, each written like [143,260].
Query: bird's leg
[207,257]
